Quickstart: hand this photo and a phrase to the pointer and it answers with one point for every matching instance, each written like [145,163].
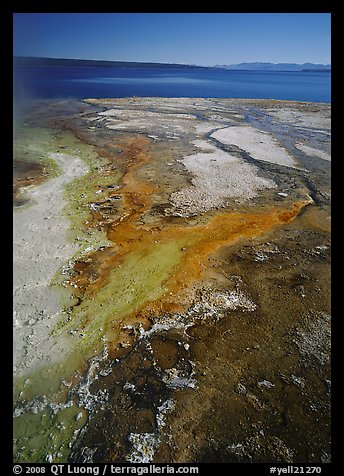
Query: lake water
[97,82]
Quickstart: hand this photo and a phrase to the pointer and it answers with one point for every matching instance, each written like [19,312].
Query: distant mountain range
[276,67]
[63,62]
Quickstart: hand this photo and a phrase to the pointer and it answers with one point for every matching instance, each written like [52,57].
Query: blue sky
[187,38]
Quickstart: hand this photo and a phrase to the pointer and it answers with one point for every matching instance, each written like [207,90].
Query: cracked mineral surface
[172,281]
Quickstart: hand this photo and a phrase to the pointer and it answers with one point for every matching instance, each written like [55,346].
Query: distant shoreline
[25,61]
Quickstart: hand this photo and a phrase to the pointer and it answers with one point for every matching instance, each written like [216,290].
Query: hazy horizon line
[170,62]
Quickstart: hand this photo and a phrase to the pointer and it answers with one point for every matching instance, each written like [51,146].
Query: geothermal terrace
[172,281]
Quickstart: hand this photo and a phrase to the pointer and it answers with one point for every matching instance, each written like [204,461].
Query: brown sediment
[317,218]
[110,149]
[26,173]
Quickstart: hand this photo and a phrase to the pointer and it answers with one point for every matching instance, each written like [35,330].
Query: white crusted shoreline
[40,248]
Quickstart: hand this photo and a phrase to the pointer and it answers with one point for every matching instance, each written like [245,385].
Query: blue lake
[97,82]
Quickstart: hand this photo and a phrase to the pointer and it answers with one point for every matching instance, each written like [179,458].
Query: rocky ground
[189,242]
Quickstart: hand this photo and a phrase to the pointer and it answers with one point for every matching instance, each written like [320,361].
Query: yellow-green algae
[46,436]
[138,279]
[42,433]
[79,194]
